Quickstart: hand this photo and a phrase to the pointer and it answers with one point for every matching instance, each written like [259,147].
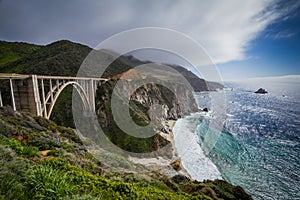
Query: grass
[44,182]
[58,179]
[19,148]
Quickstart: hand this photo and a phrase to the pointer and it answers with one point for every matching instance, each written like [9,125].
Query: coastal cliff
[41,160]
[156,96]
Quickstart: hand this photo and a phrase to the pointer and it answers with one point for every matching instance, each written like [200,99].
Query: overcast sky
[239,35]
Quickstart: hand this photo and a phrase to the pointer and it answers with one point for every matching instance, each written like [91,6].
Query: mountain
[59,58]
[198,84]
[63,58]
[13,51]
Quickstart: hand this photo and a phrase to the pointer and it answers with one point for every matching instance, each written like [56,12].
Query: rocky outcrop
[176,165]
[143,101]
[261,91]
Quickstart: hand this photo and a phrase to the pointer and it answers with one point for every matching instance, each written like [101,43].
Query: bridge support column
[44,99]
[1,102]
[91,93]
[37,100]
[12,94]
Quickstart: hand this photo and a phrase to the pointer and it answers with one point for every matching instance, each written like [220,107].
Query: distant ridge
[65,58]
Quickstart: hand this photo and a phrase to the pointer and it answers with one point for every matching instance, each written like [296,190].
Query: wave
[193,158]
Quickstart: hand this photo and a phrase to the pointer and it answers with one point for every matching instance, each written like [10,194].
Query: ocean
[259,144]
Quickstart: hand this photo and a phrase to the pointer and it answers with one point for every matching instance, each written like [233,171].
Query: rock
[176,165]
[261,91]
[19,137]
[44,152]
[33,125]
[205,109]
[9,112]
[180,179]
[82,148]
[209,192]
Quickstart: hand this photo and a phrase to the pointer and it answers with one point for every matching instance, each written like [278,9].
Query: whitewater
[193,159]
[258,147]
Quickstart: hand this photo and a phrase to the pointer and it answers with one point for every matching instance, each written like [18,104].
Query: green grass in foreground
[56,178]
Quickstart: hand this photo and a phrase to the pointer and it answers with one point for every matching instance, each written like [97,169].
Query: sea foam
[193,159]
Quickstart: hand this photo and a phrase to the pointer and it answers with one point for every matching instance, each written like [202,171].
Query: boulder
[176,165]
[205,109]
[261,91]
[180,179]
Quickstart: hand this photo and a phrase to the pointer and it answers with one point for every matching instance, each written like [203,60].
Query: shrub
[12,143]
[44,182]
[31,151]
[55,152]
[17,146]
[83,197]
[12,173]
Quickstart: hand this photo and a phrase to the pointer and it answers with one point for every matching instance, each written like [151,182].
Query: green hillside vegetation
[11,52]
[41,160]
[61,58]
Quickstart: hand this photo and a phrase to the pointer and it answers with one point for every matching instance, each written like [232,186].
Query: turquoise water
[259,145]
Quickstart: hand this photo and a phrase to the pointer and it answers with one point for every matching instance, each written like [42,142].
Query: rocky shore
[169,166]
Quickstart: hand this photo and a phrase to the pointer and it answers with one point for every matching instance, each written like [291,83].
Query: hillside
[63,58]
[41,160]
[197,83]
[13,51]
[59,58]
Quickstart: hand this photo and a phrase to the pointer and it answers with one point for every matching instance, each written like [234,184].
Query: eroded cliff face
[171,106]
[150,102]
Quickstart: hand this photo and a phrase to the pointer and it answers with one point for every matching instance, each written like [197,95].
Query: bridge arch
[59,89]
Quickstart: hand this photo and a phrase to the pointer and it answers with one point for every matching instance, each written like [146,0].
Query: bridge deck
[24,76]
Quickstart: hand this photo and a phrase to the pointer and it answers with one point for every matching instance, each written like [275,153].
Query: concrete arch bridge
[38,94]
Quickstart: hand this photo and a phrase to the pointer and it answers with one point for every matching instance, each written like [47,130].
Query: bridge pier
[25,95]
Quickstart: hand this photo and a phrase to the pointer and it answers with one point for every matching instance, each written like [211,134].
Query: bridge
[37,94]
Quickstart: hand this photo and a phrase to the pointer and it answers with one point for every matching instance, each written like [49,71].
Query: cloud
[225,29]
[281,35]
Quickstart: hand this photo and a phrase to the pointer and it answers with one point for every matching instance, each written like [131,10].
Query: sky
[249,38]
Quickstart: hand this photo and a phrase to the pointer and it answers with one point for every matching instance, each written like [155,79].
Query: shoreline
[186,152]
[193,159]
[164,164]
